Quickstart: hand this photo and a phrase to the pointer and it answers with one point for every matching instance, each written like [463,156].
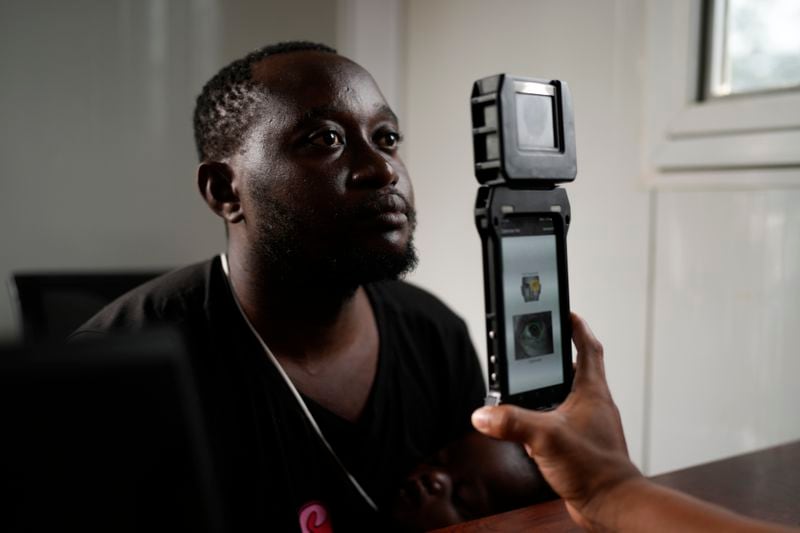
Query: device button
[491,334]
[493,377]
[492,359]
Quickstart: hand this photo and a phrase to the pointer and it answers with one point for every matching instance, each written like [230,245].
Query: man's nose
[371,169]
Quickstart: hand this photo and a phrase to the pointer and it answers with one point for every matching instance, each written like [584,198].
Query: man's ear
[216,183]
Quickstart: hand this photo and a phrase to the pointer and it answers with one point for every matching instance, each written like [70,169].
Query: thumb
[508,422]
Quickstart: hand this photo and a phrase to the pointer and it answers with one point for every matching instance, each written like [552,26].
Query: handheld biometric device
[524,146]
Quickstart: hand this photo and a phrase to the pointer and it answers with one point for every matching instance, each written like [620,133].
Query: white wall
[95,125]
[594,46]
[727,306]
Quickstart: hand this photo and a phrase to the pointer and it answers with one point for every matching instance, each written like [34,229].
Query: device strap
[292,388]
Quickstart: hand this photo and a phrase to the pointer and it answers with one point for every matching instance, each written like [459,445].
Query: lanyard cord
[293,389]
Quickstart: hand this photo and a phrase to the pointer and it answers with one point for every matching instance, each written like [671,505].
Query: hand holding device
[580,447]
[580,450]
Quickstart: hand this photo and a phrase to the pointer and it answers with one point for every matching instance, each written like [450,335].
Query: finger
[509,422]
[589,366]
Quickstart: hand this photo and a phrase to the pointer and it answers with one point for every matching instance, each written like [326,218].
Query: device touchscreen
[533,333]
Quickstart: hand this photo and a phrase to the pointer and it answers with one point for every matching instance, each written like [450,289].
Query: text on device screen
[531,305]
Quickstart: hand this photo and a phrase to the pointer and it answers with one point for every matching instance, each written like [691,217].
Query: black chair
[53,305]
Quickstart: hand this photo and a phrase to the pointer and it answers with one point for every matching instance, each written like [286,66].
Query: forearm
[641,505]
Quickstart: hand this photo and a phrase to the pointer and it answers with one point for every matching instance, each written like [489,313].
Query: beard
[325,259]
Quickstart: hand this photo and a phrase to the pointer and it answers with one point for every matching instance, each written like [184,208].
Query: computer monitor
[104,435]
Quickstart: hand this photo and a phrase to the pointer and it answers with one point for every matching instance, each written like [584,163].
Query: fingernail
[480,418]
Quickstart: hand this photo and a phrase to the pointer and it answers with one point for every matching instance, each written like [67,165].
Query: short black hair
[227,104]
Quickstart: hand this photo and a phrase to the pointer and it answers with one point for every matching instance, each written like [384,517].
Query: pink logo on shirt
[314,518]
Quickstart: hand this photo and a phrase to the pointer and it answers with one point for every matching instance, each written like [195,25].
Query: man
[299,329]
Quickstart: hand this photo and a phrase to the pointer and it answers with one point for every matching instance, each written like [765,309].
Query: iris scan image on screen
[533,335]
[532,308]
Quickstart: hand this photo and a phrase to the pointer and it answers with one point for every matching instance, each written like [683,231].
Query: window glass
[755,46]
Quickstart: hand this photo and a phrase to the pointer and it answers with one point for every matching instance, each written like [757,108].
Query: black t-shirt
[271,465]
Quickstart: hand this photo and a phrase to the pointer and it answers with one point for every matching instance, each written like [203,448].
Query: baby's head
[472,477]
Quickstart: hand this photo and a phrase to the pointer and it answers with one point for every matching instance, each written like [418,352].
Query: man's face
[323,190]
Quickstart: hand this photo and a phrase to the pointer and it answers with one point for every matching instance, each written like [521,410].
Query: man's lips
[388,210]
[391,218]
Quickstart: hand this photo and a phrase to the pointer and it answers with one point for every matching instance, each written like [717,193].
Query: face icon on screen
[531,287]
[533,335]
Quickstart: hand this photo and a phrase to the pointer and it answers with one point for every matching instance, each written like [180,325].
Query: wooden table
[763,485]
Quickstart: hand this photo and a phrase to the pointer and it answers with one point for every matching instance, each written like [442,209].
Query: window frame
[750,139]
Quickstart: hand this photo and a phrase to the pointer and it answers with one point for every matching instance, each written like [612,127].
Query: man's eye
[328,139]
[389,139]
